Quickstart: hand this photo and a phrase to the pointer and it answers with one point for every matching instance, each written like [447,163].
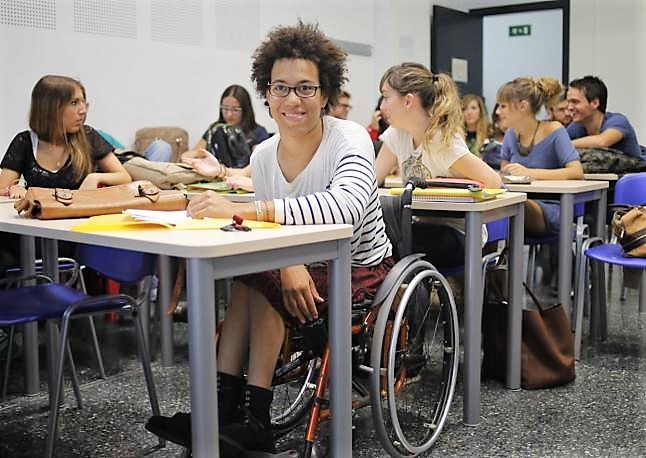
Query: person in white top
[315,170]
[426,140]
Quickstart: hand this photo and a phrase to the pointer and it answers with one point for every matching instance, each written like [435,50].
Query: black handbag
[229,145]
[547,352]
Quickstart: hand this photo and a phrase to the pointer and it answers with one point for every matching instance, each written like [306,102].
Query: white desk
[570,192]
[601,176]
[216,254]
[510,204]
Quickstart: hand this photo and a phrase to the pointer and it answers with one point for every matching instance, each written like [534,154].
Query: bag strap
[64,196]
[149,191]
[632,241]
[536,302]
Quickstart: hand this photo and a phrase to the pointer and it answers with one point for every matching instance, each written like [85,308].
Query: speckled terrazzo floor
[603,413]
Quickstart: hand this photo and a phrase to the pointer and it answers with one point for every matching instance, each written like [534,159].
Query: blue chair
[580,233]
[73,277]
[629,190]
[50,301]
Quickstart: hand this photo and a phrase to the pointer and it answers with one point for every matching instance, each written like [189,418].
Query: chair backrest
[123,266]
[631,189]
[498,230]
[176,137]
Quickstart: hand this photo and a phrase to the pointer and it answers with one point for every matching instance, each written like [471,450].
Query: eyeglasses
[231,109]
[304,91]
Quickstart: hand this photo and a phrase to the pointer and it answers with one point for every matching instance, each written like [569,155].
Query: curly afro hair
[302,41]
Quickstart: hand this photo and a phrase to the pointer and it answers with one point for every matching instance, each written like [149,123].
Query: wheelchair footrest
[285,454]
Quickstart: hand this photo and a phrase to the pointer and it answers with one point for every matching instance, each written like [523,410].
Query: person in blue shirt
[592,126]
[541,150]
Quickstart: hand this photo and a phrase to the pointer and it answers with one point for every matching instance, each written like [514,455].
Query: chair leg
[95,340]
[642,292]
[75,377]
[7,364]
[578,311]
[97,349]
[55,393]
[148,373]
[531,263]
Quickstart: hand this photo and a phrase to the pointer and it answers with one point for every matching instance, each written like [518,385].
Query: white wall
[608,39]
[505,58]
[136,81]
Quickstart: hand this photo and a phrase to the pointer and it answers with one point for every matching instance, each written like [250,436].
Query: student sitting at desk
[594,127]
[316,170]
[426,139]
[58,151]
[541,150]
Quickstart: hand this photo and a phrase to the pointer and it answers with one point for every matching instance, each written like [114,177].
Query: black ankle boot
[177,428]
[253,433]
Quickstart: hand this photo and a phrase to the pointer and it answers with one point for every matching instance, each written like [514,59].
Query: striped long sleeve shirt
[337,186]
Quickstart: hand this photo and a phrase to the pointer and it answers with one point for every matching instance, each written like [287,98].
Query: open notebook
[451,194]
[131,220]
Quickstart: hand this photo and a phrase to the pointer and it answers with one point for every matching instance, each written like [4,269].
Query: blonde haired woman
[426,139]
[539,149]
[476,122]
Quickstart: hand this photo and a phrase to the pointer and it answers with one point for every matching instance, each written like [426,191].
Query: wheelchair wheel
[416,348]
[294,387]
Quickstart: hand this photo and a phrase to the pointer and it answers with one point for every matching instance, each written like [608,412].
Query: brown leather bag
[629,224]
[59,203]
[166,175]
[547,352]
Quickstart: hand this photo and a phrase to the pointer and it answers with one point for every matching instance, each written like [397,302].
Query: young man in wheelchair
[316,170]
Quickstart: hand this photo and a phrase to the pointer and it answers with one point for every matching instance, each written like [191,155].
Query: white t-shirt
[338,185]
[437,160]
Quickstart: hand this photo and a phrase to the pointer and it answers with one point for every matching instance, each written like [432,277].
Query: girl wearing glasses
[541,150]
[316,170]
[236,110]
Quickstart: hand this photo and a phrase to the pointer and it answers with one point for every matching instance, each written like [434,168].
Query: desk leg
[514,331]
[50,264]
[163,300]
[339,330]
[601,208]
[565,251]
[472,317]
[32,381]
[202,357]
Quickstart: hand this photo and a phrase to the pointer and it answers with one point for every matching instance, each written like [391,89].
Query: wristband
[260,214]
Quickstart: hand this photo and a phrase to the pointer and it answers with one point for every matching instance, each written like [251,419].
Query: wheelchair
[405,354]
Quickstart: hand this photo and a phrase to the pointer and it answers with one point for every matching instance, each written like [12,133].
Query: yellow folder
[123,222]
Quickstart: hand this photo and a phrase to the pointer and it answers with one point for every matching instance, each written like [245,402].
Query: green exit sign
[520,30]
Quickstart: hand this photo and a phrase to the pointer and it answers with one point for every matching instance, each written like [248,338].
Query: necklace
[50,149]
[524,151]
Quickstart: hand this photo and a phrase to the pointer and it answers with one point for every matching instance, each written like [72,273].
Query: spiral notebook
[451,194]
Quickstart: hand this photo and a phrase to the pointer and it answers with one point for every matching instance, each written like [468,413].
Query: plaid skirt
[365,283]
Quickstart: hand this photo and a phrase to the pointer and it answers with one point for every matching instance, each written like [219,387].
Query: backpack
[229,145]
[609,160]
